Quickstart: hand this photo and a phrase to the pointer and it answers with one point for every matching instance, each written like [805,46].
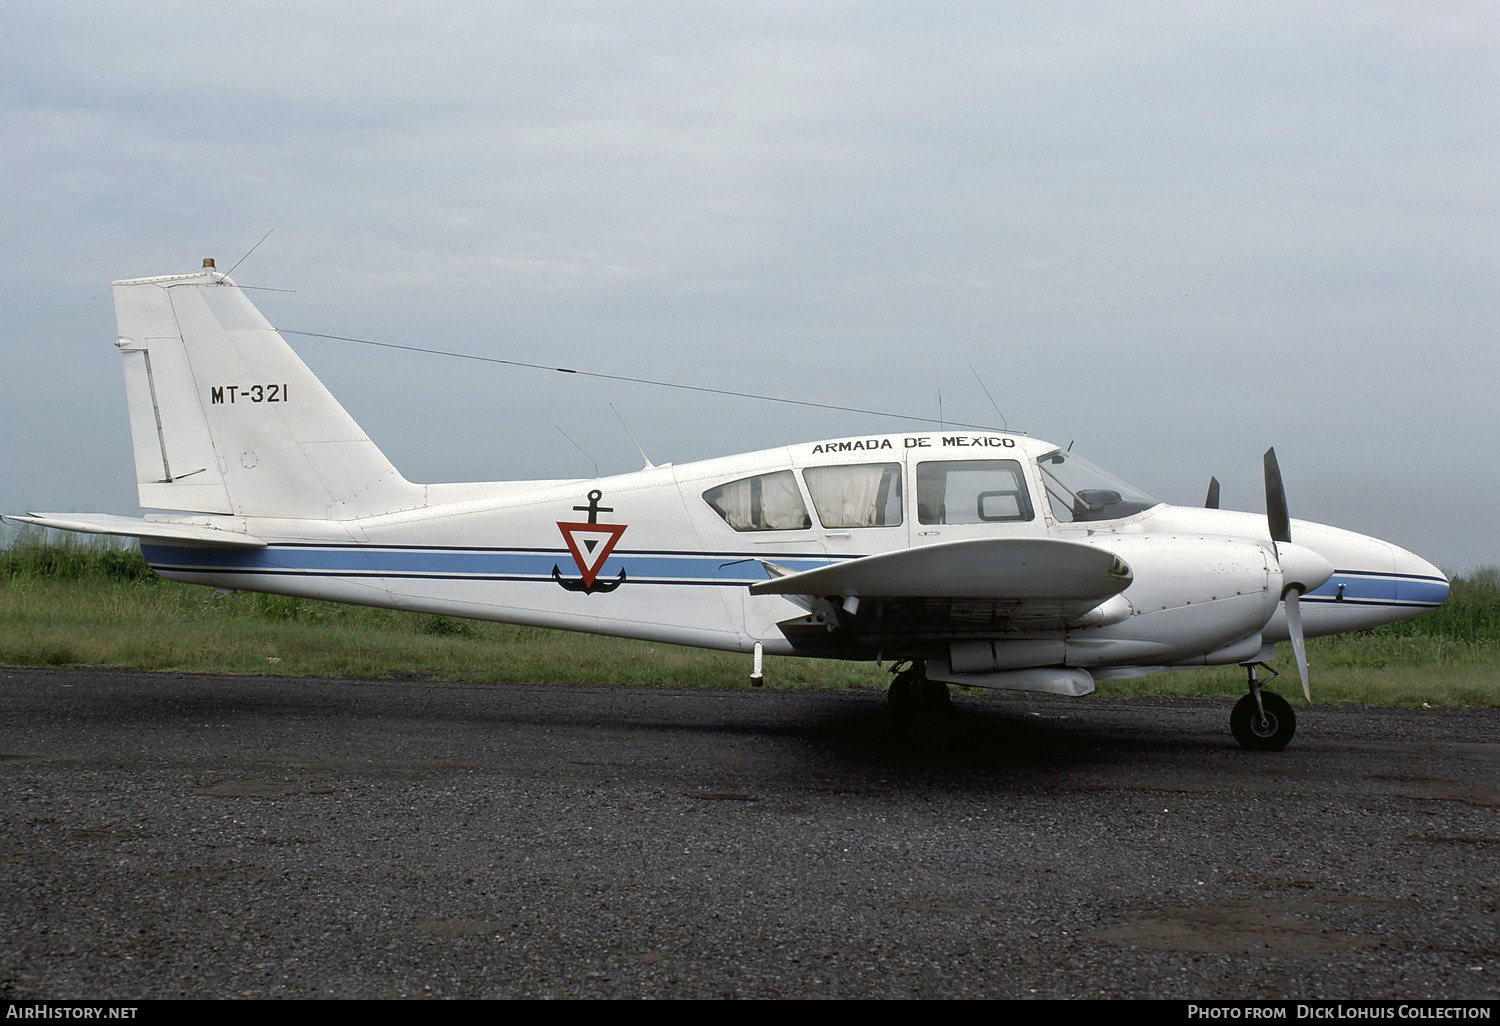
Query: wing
[971,588]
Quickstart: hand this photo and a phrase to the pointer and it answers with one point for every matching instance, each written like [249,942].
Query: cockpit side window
[856,495]
[972,492]
[769,502]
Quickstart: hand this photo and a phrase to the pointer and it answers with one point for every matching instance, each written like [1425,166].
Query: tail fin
[226,418]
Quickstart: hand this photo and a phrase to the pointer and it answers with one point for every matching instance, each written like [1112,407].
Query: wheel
[911,693]
[1269,734]
[921,710]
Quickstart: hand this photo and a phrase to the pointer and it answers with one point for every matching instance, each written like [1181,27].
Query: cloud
[1268,223]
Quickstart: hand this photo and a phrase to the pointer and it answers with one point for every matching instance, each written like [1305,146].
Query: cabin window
[770,502]
[972,492]
[858,495]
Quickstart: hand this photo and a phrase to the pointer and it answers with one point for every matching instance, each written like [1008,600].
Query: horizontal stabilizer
[1026,569]
[133,527]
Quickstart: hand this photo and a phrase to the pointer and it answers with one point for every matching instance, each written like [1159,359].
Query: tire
[912,692]
[1271,734]
[921,712]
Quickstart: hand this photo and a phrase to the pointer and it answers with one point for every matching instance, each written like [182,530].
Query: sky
[1173,234]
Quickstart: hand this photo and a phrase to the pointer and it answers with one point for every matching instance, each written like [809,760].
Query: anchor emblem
[590,544]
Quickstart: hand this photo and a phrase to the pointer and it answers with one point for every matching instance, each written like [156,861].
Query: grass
[1448,657]
[71,601]
[85,602]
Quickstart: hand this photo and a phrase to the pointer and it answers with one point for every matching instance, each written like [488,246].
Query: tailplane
[226,418]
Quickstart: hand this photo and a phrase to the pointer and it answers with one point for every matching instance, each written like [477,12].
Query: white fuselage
[646,555]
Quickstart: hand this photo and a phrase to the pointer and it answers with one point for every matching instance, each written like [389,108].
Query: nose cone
[1373,582]
[1418,582]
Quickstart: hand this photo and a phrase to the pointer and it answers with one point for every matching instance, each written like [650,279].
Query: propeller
[1276,510]
[1302,569]
[1212,502]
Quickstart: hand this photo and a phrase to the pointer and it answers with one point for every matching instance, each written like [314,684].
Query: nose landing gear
[1262,720]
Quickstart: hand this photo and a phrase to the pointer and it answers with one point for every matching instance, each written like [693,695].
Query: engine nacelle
[1193,600]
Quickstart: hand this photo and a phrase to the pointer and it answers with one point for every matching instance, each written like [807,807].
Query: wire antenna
[576,446]
[649,465]
[253,248]
[1004,424]
[638,381]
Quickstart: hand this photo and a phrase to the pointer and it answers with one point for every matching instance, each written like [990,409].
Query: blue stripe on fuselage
[1355,587]
[712,568]
[1363,587]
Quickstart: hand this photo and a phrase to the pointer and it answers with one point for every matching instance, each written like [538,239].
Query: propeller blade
[1276,510]
[1212,502]
[1299,647]
[1294,560]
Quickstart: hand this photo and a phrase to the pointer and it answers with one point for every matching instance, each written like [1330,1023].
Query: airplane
[982,558]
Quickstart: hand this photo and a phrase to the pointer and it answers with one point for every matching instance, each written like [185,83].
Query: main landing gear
[921,711]
[1262,720]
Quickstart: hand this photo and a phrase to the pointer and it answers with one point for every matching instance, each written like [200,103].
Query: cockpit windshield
[1079,491]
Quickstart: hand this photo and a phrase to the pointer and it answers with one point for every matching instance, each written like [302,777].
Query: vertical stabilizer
[226,418]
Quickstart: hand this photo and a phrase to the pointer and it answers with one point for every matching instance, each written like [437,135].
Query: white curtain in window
[770,502]
[780,503]
[849,496]
[733,503]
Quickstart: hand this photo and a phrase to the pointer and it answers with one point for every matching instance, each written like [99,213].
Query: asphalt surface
[213,836]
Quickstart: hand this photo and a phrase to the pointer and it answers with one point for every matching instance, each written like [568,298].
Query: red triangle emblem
[598,542]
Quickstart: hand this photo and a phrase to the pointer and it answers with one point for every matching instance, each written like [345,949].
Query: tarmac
[198,836]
